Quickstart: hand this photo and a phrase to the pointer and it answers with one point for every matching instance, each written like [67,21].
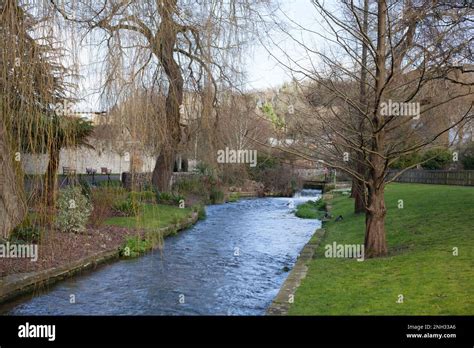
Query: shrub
[276,176]
[234,197]
[26,232]
[169,198]
[205,184]
[406,161]
[194,185]
[102,202]
[86,188]
[128,207]
[204,169]
[438,158]
[467,156]
[143,196]
[74,210]
[235,175]
[147,187]
[135,246]
[178,199]
[164,197]
[216,195]
[265,165]
[269,112]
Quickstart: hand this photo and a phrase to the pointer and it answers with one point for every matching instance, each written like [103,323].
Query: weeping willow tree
[12,205]
[170,48]
[32,83]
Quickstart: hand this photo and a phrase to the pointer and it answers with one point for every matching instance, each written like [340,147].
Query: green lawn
[311,210]
[154,216]
[421,265]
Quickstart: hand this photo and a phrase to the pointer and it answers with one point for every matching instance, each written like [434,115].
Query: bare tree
[186,42]
[418,54]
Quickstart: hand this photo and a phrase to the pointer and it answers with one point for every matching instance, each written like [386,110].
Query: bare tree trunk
[375,243]
[164,49]
[358,193]
[51,181]
[12,205]
[163,169]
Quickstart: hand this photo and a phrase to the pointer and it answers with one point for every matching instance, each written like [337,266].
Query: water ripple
[230,264]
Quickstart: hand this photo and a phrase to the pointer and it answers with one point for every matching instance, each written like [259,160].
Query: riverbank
[231,263]
[429,269]
[63,255]
[285,297]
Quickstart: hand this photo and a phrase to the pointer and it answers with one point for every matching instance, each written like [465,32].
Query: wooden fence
[440,177]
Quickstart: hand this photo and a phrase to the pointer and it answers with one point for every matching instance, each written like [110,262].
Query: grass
[201,210]
[135,246]
[421,265]
[153,216]
[233,197]
[311,210]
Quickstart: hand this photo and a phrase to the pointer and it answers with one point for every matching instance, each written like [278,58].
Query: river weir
[232,263]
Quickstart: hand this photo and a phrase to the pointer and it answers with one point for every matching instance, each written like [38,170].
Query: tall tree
[169,37]
[30,81]
[375,240]
[420,56]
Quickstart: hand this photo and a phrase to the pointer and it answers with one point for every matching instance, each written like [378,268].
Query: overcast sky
[263,71]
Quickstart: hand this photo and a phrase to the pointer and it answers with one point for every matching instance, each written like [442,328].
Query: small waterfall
[308,194]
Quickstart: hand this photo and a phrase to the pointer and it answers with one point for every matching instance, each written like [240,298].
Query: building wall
[83,158]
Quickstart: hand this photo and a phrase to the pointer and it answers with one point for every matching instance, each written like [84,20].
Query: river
[232,263]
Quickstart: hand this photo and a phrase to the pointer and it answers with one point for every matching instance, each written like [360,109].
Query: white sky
[262,70]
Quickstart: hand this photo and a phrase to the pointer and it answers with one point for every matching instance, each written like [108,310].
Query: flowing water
[232,263]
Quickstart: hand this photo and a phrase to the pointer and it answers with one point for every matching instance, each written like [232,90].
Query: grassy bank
[311,210]
[153,216]
[421,266]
